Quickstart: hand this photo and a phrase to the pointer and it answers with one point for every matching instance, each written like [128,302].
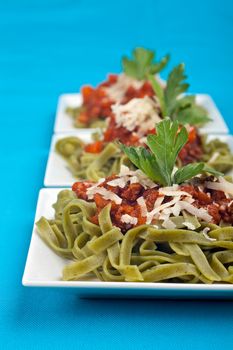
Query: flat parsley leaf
[192,114]
[208,169]
[145,161]
[159,93]
[159,161]
[187,172]
[177,107]
[190,170]
[166,145]
[175,87]
[143,63]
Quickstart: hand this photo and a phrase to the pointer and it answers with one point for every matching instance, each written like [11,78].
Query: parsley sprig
[143,63]
[184,109]
[158,162]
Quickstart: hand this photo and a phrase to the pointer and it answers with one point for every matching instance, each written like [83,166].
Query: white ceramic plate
[64,122]
[57,173]
[43,269]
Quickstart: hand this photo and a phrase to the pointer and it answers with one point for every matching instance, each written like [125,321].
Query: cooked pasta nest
[85,165]
[143,254]
[74,113]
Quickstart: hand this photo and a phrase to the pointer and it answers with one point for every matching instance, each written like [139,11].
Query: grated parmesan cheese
[142,203]
[222,185]
[181,200]
[127,175]
[169,191]
[125,171]
[133,179]
[128,219]
[189,225]
[144,180]
[205,234]
[108,195]
[121,182]
[167,211]
[168,224]
[189,199]
[139,113]
[159,209]
[214,157]
[176,209]
[198,212]
[117,91]
[135,176]
[158,202]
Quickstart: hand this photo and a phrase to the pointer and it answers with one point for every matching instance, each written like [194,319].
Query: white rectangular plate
[64,122]
[57,173]
[43,269]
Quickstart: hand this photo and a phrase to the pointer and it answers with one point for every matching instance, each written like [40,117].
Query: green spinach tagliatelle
[143,254]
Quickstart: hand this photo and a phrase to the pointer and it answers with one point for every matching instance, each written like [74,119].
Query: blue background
[51,47]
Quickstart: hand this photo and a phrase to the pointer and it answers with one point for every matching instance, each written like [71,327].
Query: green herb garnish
[158,163]
[191,114]
[143,63]
[184,109]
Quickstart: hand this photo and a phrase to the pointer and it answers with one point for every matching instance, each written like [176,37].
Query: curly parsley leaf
[143,63]
[158,163]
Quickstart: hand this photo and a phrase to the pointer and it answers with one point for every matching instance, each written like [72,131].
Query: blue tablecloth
[50,47]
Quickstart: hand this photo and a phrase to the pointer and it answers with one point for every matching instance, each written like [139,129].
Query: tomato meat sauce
[97,104]
[215,202]
[115,133]
[191,152]
[129,205]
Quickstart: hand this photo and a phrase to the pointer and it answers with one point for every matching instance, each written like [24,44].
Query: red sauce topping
[97,104]
[145,90]
[80,188]
[215,202]
[95,147]
[121,134]
[192,151]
